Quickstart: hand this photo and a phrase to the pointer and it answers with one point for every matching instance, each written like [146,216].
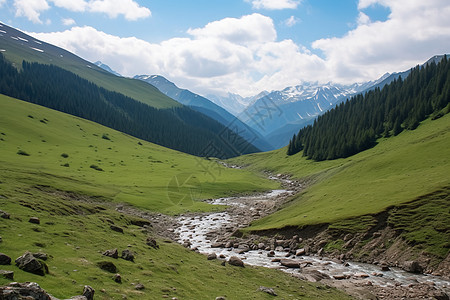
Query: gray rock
[27,290]
[290,263]
[267,290]
[7,274]
[127,255]
[5,259]
[261,246]
[29,263]
[111,253]
[116,228]
[40,255]
[117,278]
[271,254]
[212,256]
[139,287]
[217,245]
[34,220]
[152,243]
[107,266]
[4,214]
[300,252]
[236,261]
[88,292]
[412,266]
[221,298]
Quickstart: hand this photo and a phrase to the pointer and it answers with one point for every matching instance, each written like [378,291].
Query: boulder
[217,245]
[267,290]
[139,287]
[40,255]
[88,292]
[111,253]
[300,252]
[211,256]
[7,274]
[4,214]
[229,245]
[117,278]
[107,266]
[116,228]
[341,277]
[34,220]
[221,298]
[271,253]
[290,263]
[29,263]
[412,266]
[261,246]
[127,255]
[152,243]
[27,290]
[236,261]
[5,259]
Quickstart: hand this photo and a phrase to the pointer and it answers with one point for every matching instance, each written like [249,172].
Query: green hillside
[71,173]
[134,171]
[17,50]
[410,168]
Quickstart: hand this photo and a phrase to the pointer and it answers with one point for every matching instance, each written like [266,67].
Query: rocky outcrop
[29,263]
[236,261]
[127,255]
[114,253]
[5,259]
[107,266]
[31,290]
[7,274]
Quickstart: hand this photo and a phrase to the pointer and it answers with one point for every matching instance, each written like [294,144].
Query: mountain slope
[77,205]
[106,68]
[205,106]
[17,46]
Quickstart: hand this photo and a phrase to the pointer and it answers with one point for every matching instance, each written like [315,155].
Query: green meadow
[40,146]
[396,171]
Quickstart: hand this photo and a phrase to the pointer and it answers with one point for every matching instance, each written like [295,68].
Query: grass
[396,171]
[70,154]
[75,231]
[135,89]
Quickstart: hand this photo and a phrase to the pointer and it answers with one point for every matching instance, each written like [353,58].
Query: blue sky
[241,46]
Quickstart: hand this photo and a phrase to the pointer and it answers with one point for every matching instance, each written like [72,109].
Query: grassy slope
[74,227]
[398,170]
[16,52]
[133,173]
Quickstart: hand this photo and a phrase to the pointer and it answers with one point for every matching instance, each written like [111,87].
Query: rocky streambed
[214,234]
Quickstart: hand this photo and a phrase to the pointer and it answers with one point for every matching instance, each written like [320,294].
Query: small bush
[65,165]
[139,143]
[95,167]
[30,116]
[65,155]
[21,152]
[105,137]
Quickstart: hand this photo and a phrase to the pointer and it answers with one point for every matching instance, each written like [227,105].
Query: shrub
[95,167]
[65,155]
[105,137]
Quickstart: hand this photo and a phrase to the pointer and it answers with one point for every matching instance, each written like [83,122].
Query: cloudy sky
[241,46]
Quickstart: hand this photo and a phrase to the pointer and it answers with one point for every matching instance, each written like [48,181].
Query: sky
[241,46]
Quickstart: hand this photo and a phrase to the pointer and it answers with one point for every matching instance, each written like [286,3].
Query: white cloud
[72,5]
[274,4]
[291,21]
[68,22]
[414,31]
[363,19]
[31,9]
[2,2]
[130,9]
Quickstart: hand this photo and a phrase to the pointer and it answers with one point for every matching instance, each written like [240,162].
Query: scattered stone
[271,254]
[385,268]
[300,252]
[212,256]
[340,277]
[5,259]
[360,275]
[221,298]
[217,245]
[28,263]
[276,260]
[236,261]
[152,243]
[412,266]
[40,255]
[27,290]
[261,246]
[289,263]
[7,274]
[4,214]
[107,266]
[88,292]
[139,287]
[140,222]
[440,295]
[34,220]
[127,255]
[117,278]
[222,256]
[267,290]
[111,253]
[229,245]
[116,228]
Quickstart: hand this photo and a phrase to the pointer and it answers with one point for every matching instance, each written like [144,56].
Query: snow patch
[2,31]
[22,39]
[37,49]
[89,66]
[37,42]
[14,38]
[2,50]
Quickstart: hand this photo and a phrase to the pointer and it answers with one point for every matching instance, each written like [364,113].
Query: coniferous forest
[179,128]
[355,125]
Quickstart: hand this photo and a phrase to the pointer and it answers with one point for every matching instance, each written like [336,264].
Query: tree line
[179,128]
[356,124]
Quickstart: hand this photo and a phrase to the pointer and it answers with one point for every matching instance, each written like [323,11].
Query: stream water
[197,230]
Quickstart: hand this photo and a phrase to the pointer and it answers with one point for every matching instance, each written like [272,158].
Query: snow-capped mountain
[106,68]
[235,103]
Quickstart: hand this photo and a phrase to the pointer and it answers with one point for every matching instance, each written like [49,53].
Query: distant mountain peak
[106,68]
